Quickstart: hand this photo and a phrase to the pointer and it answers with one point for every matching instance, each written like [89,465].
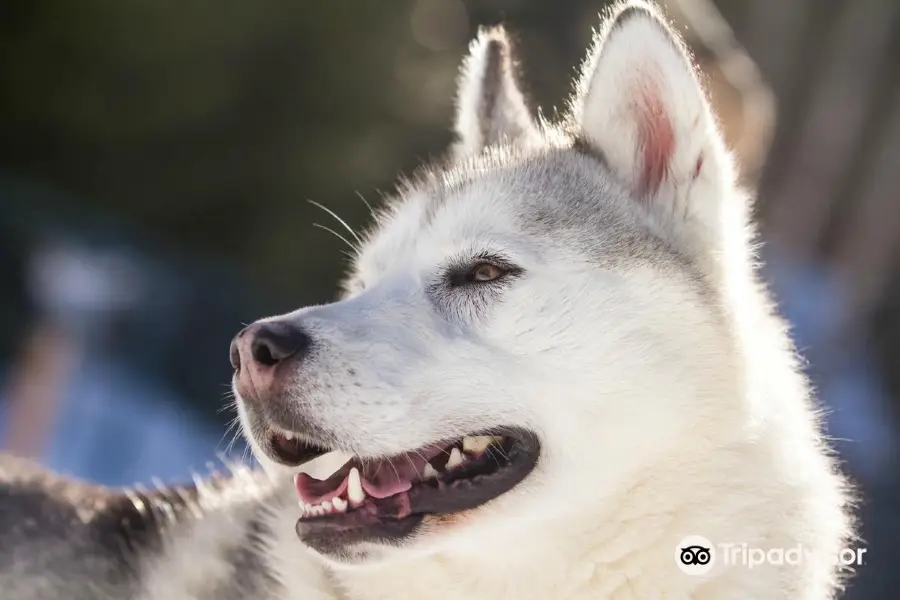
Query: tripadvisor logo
[696,555]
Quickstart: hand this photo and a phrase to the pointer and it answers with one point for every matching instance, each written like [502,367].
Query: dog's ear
[490,107]
[640,105]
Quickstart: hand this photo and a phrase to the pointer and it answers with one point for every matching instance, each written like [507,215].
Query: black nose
[267,344]
[275,341]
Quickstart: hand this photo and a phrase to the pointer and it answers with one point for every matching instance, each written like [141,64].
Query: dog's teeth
[355,493]
[456,458]
[327,506]
[428,472]
[340,505]
[477,444]
[288,435]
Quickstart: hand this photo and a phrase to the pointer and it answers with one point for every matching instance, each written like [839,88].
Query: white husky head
[559,286]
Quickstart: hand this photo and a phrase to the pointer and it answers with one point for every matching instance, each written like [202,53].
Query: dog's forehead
[562,199]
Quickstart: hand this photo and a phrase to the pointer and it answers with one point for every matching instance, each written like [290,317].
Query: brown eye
[484,272]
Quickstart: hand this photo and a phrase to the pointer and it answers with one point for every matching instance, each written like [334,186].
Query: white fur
[504,101]
[667,397]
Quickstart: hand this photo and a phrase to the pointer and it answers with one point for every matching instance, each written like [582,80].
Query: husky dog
[553,371]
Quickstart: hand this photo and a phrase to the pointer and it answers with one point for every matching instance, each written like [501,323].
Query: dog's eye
[484,272]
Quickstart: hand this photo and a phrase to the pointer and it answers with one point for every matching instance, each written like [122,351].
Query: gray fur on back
[64,539]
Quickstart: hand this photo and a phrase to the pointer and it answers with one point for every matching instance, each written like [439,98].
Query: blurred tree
[213,121]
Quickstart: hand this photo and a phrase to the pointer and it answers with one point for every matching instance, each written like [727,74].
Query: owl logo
[695,555]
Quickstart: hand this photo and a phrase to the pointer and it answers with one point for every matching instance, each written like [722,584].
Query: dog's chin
[423,535]
[369,507]
[364,546]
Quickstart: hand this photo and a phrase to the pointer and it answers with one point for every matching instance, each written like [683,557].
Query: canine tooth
[355,492]
[327,506]
[340,505]
[455,459]
[477,444]
[288,435]
[429,472]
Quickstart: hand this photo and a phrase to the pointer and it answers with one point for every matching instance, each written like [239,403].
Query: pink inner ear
[656,136]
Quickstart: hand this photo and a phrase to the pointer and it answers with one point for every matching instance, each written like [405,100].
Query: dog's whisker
[336,234]
[339,220]
[366,202]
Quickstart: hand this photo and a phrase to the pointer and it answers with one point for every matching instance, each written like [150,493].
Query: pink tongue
[315,491]
[379,479]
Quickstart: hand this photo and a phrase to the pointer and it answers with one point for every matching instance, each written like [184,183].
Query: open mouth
[388,497]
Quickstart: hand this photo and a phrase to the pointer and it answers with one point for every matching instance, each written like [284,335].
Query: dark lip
[458,493]
[304,455]
[264,422]
[523,457]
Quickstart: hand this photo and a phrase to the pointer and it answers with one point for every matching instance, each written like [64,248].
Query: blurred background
[156,158]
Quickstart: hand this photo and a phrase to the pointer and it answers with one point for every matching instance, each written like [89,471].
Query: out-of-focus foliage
[213,121]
